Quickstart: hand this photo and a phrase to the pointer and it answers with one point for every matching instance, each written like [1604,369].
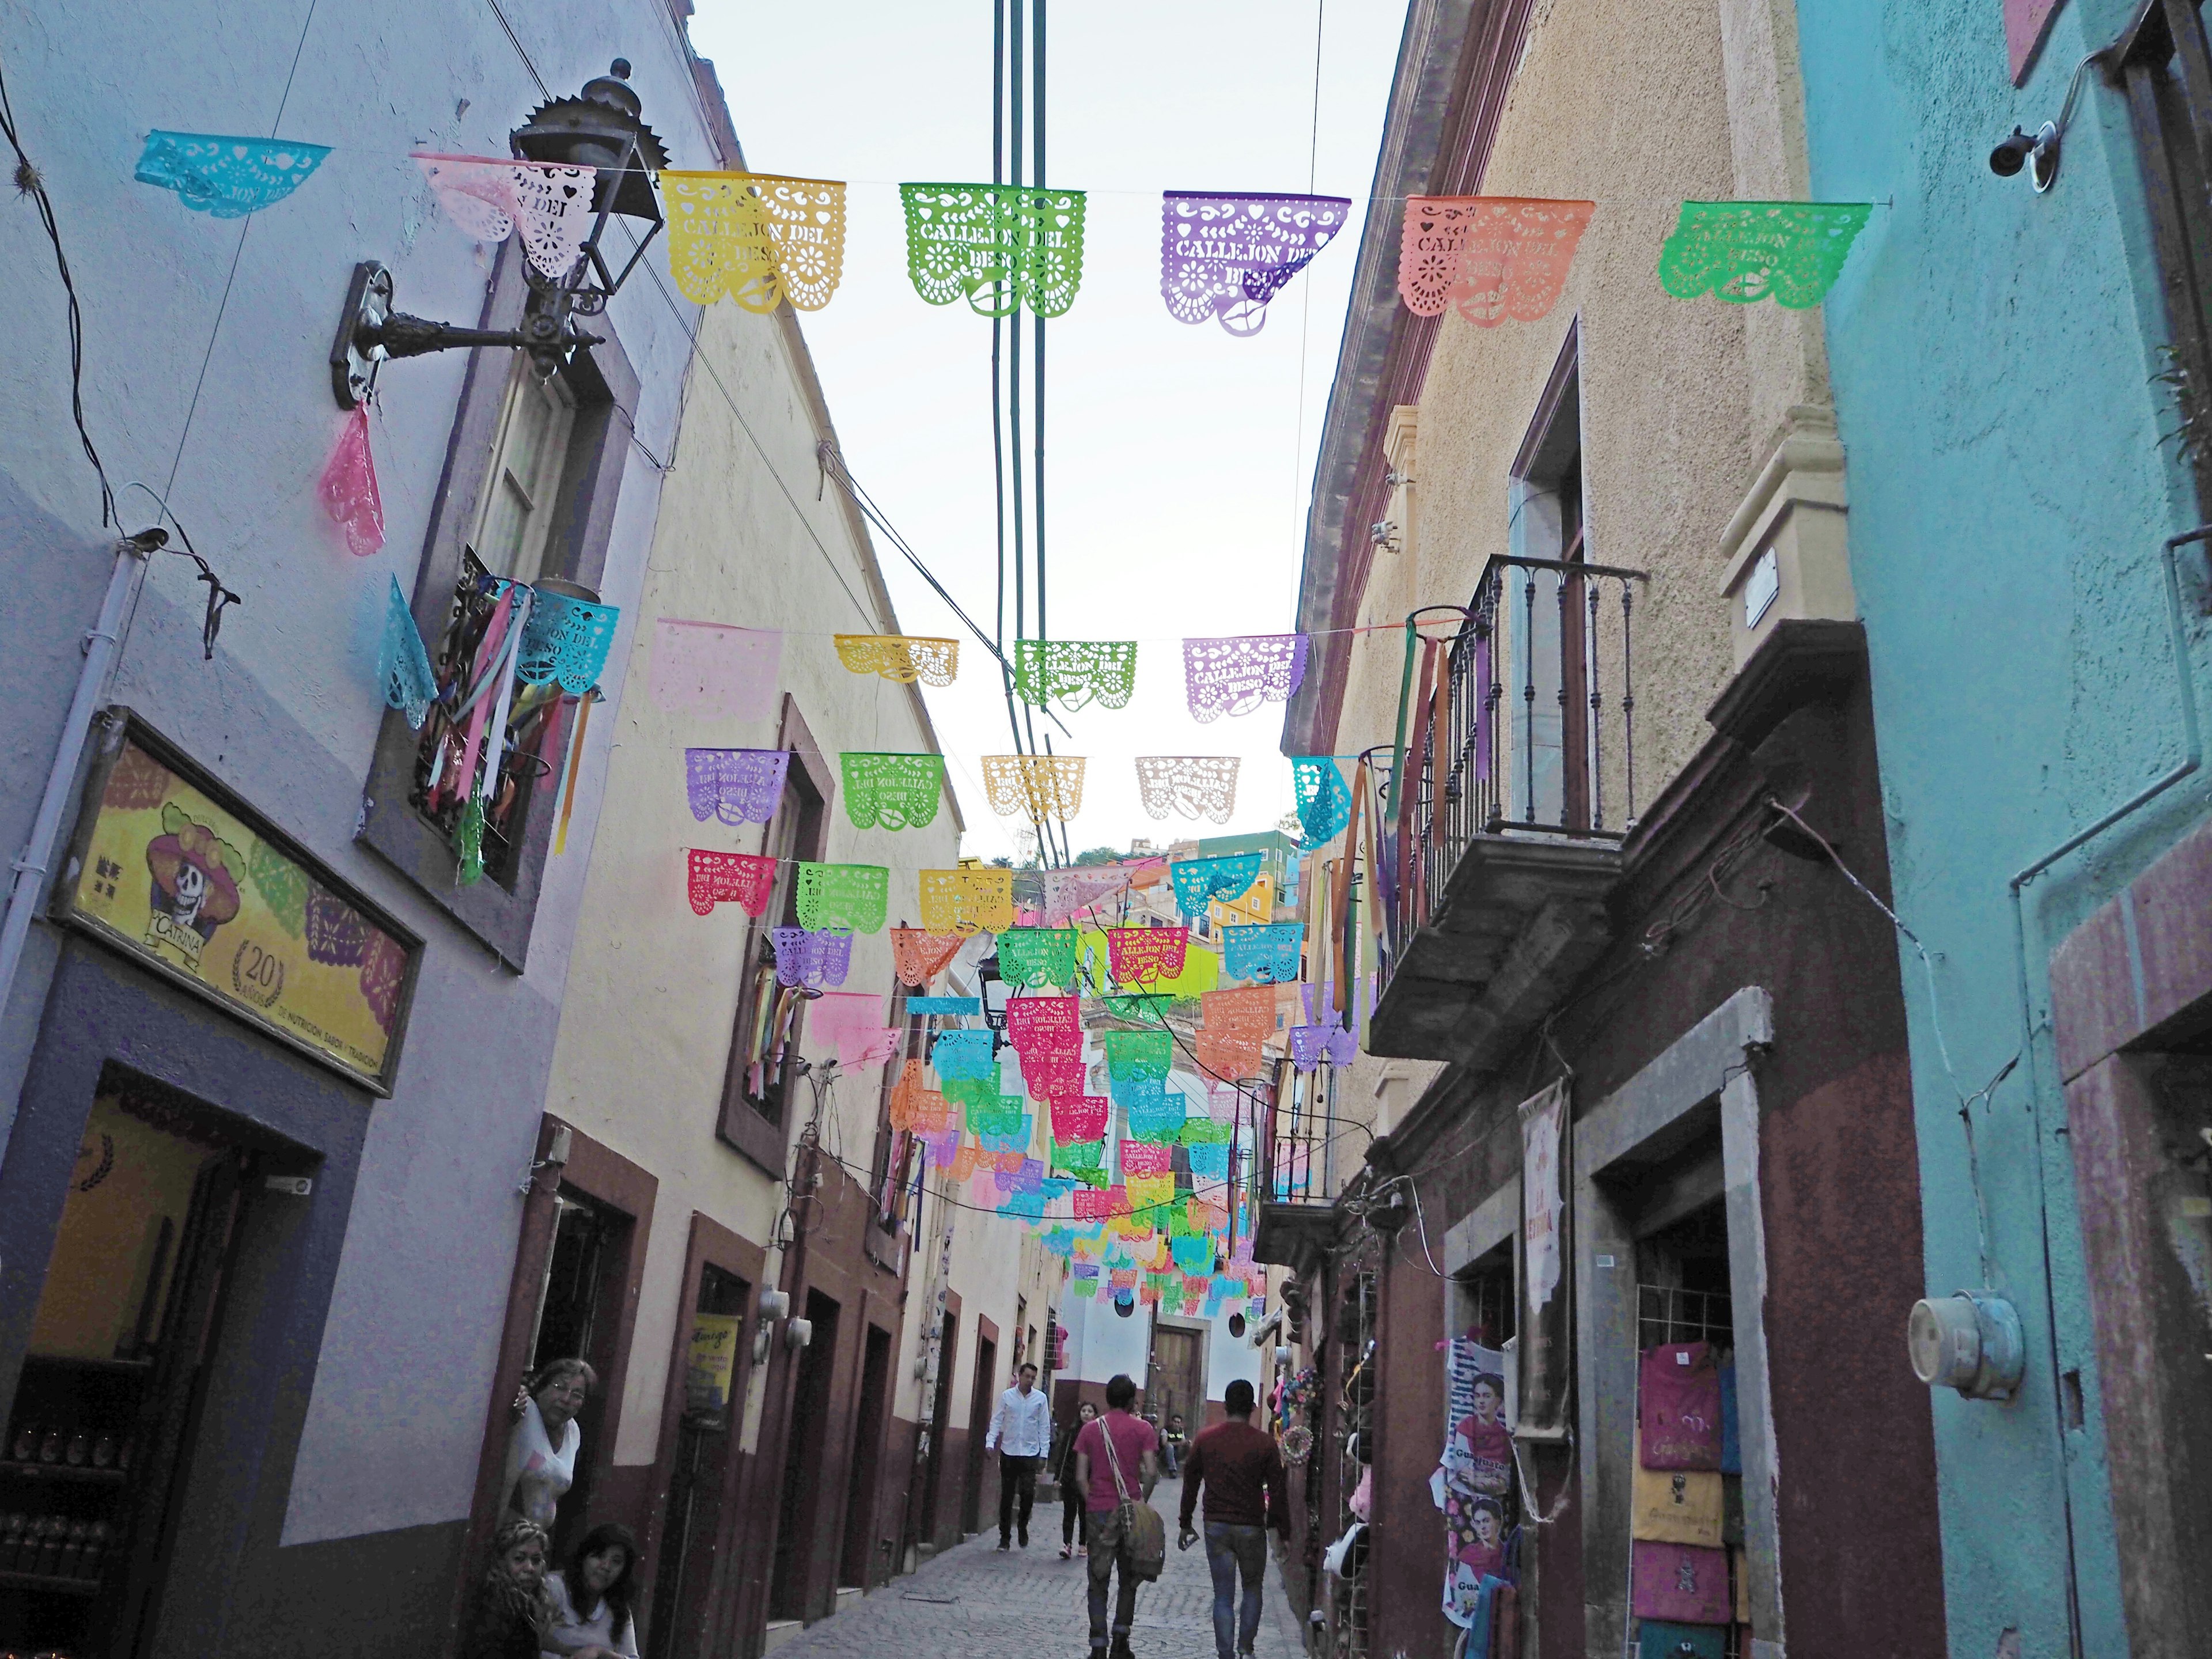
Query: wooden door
[1178,1380]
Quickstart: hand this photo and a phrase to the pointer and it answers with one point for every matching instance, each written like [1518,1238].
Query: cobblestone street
[1029,1604]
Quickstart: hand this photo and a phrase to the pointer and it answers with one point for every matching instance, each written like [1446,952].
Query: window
[2161,60]
[757,1087]
[533,473]
[1543,620]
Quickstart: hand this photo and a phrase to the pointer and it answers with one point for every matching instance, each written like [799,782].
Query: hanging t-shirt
[1133,1439]
[1679,1406]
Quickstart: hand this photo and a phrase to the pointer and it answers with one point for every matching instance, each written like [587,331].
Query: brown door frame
[940,1416]
[596,1172]
[983,1394]
[710,1245]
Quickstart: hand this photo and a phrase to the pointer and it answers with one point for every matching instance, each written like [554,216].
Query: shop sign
[711,1363]
[173,870]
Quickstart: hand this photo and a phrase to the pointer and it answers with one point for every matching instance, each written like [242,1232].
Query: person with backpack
[1117,1465]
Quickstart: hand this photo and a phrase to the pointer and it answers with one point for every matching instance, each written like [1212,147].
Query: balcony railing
[1524,720]
[1303,1162]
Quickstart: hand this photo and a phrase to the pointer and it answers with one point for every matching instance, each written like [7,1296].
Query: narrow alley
[971,1600]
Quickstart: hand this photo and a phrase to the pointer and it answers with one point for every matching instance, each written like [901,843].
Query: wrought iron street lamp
[601,127]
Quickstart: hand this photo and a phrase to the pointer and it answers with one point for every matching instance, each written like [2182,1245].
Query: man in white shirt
[1021,1429]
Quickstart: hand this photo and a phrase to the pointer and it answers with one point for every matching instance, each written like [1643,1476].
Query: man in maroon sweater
[1242,1471]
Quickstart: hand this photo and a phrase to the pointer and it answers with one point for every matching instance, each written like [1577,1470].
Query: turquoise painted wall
[1992,353]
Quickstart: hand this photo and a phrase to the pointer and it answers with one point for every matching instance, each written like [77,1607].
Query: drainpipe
[100,647]
[2192,759]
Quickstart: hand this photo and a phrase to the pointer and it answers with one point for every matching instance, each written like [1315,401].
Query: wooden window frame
[605,386]
[739,1123]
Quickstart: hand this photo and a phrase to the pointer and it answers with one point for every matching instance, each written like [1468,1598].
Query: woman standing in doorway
[1074,1518]
[541,1452]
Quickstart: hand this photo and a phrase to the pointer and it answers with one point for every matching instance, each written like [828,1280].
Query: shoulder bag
[1143,1531]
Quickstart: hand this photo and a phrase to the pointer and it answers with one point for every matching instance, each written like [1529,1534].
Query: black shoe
[1025,1537]
[1121,1648]
[1003,1544]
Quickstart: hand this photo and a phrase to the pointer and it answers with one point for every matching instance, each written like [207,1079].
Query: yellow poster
[175,878]
[712,1362]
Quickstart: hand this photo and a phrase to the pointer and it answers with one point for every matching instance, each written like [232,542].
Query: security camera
[2011,155]
[2039,154]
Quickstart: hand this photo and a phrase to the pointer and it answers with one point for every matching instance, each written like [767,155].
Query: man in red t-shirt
[1134,1449]
[1240,1469]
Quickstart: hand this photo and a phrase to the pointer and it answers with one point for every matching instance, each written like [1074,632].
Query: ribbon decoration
[1267,955]
[897,792]
[1195,785]
[1229,876]
[1744,252]
[1324,803]
[964,1055]
[804,957]
[999,246]
[1227,256]
[728,877]
[918,957]
[1071,890]
[1235,1025]
[1237,675]
[566,641]
[758,238]
[966,901]
[1137,955]
[1131,1055]
[225,178]
[735,786]
[951,1007]
[902,658]
[1079,1118]
[854,896]
[1075,672]
[1043,785]
[839,1017]
[490,197]
[1490,256]
[1031,957]
[718,670]
[347,489]
[403,665]
[916,1107]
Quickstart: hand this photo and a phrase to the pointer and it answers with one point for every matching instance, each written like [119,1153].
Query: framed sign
[174,871]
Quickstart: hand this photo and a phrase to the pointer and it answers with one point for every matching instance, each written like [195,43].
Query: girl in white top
[541,1451]
[592,1614]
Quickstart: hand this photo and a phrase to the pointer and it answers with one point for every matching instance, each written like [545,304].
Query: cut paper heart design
[1138,1054]
[999,246]
[735,786]
[1269,955]
[1079,1118]
[918,957]
[964,1055]
[348,488]
[1226,256]
[1194,786]
[1144,1161]
[850,896]
[1034,785]
[403,665]
[1238,675]
[893,792]
[1075,673]
[1490,256]
[336,935]
[1324,802]
[225,178]
[1068,892]
[1030,959]
[902,658]
[1744,252]
[757,238]
[804,957]
[714,670]
[1137,955]
[565,640]
[1053,1076]
[1200,881]
[728,877]
[966,901]
[1044,1022]
[490,198]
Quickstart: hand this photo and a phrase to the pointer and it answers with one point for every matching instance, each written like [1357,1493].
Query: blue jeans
[1231,1551]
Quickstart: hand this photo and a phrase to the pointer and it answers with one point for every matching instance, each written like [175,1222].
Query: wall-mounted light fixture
[797,1334]
[601,127]
[774,1305]
[1384,534]
[1969,1340]
[2038,154]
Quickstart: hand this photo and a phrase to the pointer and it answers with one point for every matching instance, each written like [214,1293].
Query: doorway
[101,1428]
[940,1411]
[587,1274]
[1177,1384]
[981,1400]
[683,1599]
[859,1565]
[799,1509]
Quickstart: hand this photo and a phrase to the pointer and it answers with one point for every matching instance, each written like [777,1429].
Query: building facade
[1617,870]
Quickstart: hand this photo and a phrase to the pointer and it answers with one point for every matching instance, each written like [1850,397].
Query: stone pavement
[1029,1604]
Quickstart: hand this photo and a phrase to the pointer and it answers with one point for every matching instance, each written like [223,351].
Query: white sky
[1177,475]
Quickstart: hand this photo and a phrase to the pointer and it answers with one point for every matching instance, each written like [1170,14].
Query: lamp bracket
[370,332]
